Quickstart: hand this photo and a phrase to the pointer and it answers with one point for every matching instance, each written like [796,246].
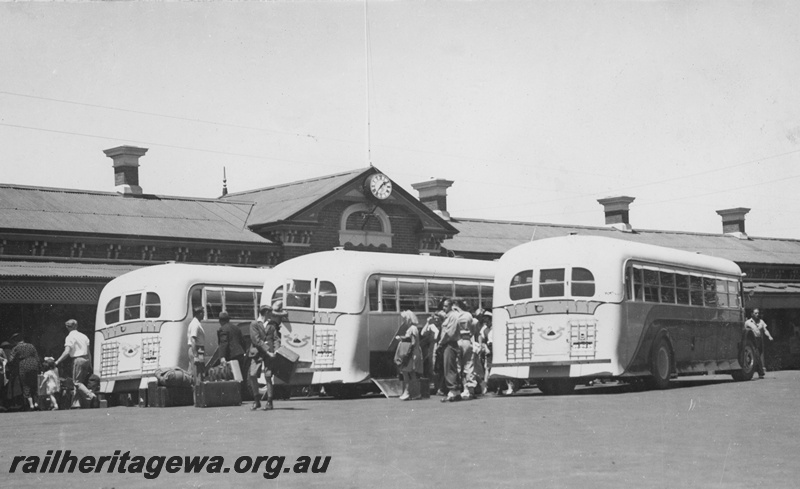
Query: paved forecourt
[703,432]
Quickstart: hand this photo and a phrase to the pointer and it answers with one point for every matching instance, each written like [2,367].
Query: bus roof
[359,265]
[178,277]
[613,253]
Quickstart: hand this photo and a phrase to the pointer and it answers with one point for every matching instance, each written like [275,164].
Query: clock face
[380,186]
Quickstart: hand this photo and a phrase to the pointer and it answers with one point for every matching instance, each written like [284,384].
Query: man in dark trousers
[230,340]
[263,339]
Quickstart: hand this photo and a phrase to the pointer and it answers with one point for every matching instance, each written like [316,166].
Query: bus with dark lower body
[573,309]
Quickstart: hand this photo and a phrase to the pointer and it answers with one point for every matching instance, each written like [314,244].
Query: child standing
[50,383]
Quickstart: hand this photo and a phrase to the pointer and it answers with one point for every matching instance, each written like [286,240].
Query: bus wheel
[661,366]
[747,361]
[555,387]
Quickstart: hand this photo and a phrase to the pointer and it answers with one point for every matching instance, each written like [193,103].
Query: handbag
[403,354]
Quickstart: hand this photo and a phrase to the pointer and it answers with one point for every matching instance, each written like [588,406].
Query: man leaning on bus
[759,329]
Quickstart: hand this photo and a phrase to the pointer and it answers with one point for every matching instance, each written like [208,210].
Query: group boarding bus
[344,310]
[143,317]
[577,308]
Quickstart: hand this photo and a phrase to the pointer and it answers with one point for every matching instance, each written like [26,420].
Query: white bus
[577,308]
[143,317]
[344,309]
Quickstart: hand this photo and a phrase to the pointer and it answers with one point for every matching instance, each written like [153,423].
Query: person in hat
[264,340]
[230,340]
[196,337]
[76,346]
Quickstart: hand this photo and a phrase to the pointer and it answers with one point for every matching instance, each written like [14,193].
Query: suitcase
[178,396]
[213,394]
[284,364]
[152,394]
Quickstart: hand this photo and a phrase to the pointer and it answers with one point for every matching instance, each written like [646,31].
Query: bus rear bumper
[554,369]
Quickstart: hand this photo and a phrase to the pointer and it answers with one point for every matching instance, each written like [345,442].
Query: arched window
[365,225]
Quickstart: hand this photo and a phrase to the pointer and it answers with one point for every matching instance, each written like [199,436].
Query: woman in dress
[25,359]
[411,366]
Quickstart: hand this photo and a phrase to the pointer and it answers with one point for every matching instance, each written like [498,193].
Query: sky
[534,109]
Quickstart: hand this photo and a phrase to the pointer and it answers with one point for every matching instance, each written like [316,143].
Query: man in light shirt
[196,337]
[759,329]
[77,346]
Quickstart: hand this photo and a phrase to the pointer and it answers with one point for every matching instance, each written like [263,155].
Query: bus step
[389,387]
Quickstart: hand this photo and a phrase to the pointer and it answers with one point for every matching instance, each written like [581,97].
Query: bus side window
[650,285]
[372,291]
[521,286]
[696,291]
[197,299]
[733,294]
[487,295]
[437,292]
[412,296]
[213,303]
[327,295]
[389,295]
[112,311]
[152,305]
[710,291]
[667,287]
[682,288]
[722,293]
[133,306]
[638,289]
[469,293]
[239,303]
[582,282]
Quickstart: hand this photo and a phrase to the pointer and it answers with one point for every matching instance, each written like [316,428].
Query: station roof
[479,236]
[24,208]
[281,202]
[28,269]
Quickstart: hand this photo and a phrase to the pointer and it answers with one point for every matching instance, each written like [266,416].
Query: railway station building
[59,247]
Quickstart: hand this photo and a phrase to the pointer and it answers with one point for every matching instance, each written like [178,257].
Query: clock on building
[378,186]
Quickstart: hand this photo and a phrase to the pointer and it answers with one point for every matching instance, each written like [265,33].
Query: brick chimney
[616,211]
[126,168]
[433,194]
[733,221]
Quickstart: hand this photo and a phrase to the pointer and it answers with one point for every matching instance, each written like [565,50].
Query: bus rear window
[327,295]
[582,283]
[112,311]
[133,306]
[521,286]
[551,282]
[152,306]
[299,294]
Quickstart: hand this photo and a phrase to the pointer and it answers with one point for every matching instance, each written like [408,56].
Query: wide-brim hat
[277,309]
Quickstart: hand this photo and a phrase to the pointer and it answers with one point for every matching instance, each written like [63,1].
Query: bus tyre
[555,387]
[747,361]
[661,364]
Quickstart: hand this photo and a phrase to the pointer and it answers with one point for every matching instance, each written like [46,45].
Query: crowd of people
[453,349]
[30,382]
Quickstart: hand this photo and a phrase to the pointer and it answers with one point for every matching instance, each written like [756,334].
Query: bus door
[309,329]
